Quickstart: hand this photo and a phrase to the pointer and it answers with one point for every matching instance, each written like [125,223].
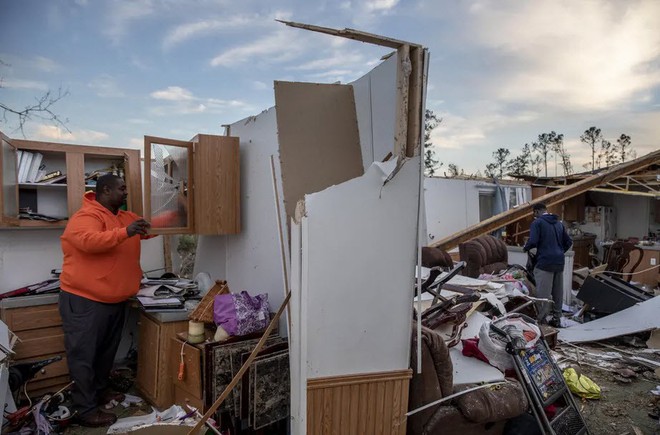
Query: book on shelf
[24,169]
[49,177]
[34,167]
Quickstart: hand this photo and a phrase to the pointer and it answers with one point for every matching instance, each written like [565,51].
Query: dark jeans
[92,332]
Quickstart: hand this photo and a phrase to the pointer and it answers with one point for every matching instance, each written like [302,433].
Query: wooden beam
[549,199]
[356,35]
[415,109]
[626,192]
[402,86]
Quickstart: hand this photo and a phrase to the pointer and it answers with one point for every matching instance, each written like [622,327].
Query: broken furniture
[583,246]
[472,413]
[648,272]
[195,185]
[485,254]
[619,258]
[37,323]
[434,257]
[155,367]
[607,294]
[63,198]
[260,399]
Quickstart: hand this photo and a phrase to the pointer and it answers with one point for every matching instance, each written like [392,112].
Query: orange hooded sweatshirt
[101,262]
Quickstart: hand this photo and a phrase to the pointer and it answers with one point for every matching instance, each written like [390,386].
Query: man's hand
[139,226]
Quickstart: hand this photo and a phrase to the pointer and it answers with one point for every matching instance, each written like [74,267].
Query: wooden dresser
[37,323]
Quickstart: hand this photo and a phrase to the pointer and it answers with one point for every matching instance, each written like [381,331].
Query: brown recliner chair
[485,254]
[479,412]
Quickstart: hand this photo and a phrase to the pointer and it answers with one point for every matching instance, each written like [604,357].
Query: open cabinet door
[168,184]
[9,192]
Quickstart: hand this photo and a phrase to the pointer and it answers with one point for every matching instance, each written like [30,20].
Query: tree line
[533,158]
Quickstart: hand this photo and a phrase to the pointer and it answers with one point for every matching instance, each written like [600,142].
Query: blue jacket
[548,235]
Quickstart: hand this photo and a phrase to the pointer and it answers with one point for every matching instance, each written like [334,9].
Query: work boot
[96,418]
[555,323]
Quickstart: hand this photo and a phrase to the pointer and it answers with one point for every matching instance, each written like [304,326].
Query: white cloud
[10,83]
[259,86]
[279,46]
[183,101]
[589,55]
[121,14]
[339,58]
[185,32]
[52,132]
[173,93]
[106,86]
[380,5]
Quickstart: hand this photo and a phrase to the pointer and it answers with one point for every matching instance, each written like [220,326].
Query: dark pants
[549,285]
[92,332]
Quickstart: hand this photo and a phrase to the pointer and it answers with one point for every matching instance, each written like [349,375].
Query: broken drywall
[318,138]
[375,103]
[358,257]
[638,318]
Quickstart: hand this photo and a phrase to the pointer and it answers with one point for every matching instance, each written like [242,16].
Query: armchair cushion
[485,254]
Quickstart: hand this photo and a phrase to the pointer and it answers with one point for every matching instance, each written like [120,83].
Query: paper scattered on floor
[170,415]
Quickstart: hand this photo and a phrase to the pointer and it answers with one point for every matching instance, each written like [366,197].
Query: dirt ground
[626,403]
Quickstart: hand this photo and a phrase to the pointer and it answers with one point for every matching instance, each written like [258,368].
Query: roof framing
[563,193]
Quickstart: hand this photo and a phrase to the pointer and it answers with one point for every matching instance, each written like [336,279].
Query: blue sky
[501,72]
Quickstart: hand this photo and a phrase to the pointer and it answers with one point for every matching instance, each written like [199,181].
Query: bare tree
[41,108]
[500,156]
[557,145]
[543,147]
[623,147]
[591,137]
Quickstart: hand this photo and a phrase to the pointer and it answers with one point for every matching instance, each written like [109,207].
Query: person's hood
[550,218]
[91,205]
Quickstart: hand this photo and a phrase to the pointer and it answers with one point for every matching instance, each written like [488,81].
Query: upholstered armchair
[482,412]
[485,254]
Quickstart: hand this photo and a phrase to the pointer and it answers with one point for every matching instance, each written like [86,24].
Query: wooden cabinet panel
[37,317]
[148,352]
[192,357]
[156,368]
[37,342]
[217,184]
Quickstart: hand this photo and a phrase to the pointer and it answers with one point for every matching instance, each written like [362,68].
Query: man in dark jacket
[548,235]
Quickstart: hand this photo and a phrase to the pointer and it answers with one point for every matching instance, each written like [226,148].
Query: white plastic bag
[493,345]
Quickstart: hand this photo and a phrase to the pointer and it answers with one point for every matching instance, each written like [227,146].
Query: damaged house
[319,206]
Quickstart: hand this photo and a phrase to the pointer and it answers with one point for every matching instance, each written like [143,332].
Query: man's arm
[87,234]
[533,240]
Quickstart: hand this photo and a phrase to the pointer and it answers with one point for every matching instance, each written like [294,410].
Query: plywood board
[318,138]
[358,271]
[638,318]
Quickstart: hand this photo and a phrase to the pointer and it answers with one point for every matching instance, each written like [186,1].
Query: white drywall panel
[250,260]
[296,348]
[359,253]
[638,318]
[634,224]
[451,206]
[376,110]
[362,92]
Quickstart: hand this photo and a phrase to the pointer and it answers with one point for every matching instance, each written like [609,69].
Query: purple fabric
[241,314]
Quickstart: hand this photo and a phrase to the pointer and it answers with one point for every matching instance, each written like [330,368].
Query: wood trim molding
[345,380]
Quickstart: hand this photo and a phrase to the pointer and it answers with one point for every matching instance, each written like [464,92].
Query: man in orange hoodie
[101,270]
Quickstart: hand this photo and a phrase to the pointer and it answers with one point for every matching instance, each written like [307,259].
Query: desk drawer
[38,342]
[30,318]
[192,378]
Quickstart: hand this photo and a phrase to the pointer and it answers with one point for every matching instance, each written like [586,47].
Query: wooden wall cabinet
[40,330]
[155,367]
[193,187]
[65,198]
